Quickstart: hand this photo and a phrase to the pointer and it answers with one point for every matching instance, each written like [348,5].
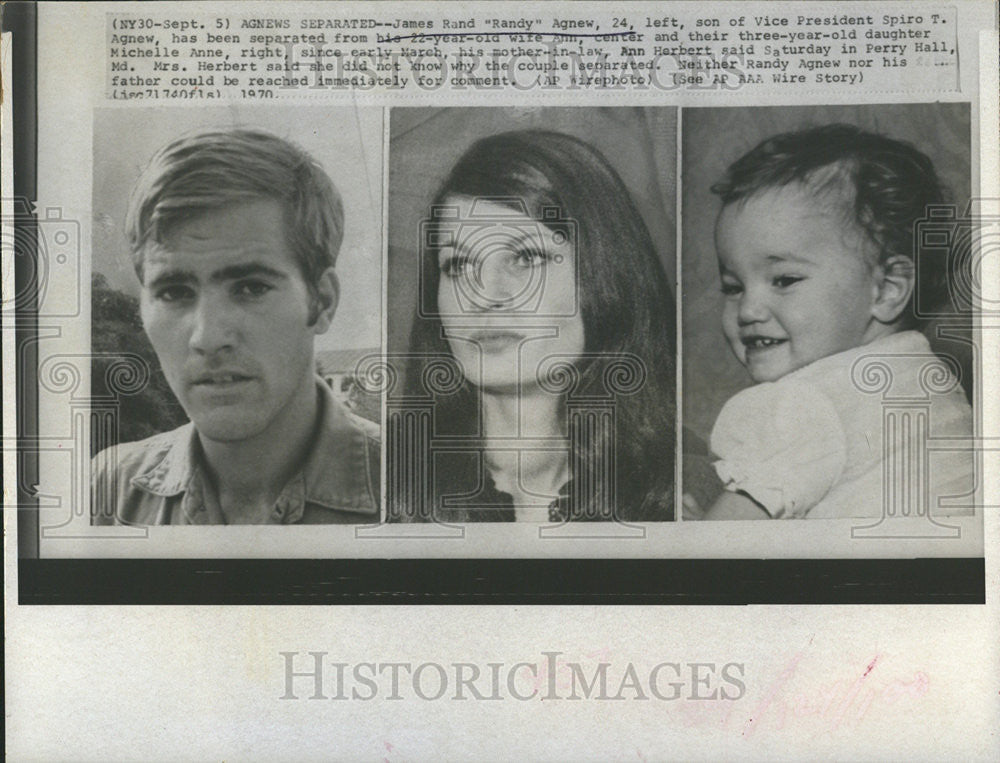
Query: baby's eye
[252,289]
[455,265]
[174,293]
[730,289]
[783,282]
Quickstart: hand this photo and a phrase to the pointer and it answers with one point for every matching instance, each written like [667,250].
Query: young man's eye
[455,265]
[783,282]
[730,289]
[252,289]
[174,293]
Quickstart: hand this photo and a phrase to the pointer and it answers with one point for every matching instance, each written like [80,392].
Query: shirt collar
[904,343]
[335,474]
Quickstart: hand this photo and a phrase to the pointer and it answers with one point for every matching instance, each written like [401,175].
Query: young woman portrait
[538,381]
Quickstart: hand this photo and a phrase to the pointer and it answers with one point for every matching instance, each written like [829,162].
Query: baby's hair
[892,183]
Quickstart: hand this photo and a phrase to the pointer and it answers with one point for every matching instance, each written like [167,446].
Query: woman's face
[508,296]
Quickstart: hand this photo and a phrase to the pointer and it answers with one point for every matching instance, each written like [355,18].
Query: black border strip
[502,581]
[20,19]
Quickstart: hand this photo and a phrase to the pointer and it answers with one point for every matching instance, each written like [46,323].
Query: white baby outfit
[812,444]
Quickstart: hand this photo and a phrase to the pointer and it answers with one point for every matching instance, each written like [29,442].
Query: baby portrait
[805,278]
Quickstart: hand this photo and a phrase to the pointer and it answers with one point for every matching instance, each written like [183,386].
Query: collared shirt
[162,480]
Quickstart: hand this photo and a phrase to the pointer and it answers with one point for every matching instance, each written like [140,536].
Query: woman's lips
[496,341]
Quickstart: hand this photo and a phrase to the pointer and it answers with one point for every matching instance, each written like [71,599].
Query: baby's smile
[760,342]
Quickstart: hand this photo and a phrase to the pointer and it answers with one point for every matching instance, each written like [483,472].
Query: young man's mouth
[220,379]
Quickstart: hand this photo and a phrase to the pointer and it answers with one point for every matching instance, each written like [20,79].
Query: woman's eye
[251,288]
[729,289]
[783,282]
[454,266]
[530,256]
[174,293]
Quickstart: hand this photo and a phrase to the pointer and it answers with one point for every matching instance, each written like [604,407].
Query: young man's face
[228,312]
[797,283]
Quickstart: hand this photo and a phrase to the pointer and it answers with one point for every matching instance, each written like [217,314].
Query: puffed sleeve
[780,443]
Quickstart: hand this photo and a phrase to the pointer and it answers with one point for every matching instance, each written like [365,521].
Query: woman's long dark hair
[629,324]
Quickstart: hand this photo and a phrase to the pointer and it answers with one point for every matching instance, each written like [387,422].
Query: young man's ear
[895,285]
[324,301]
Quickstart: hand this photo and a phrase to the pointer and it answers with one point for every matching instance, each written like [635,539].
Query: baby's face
[797,283]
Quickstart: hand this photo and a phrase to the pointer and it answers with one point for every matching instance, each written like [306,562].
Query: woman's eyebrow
[528,233]
[478,248]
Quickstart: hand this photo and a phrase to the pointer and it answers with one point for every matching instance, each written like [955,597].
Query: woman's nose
[498,283]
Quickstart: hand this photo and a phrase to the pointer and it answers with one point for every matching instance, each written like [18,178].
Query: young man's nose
[213,325]
[753,307]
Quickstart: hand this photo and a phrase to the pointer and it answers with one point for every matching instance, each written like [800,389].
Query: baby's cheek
[729,321]
[733,340]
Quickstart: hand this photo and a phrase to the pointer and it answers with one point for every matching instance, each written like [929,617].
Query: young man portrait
[234,235]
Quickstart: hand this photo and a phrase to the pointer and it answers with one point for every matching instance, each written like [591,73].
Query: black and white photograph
[379,377]
[827,338]
[236,271]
